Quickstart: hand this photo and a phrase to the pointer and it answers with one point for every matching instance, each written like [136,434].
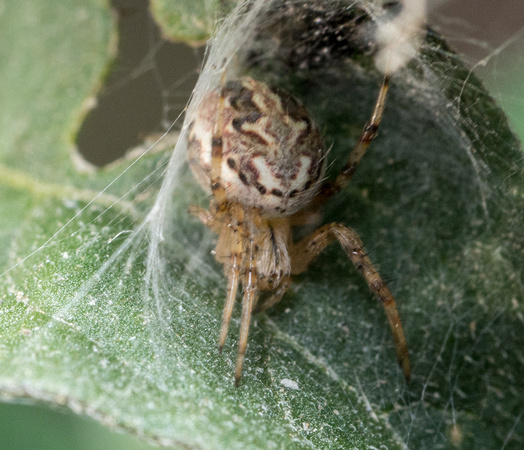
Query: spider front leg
[229,251]
[305,251]
[274,298]
[232,269]
[237,250]
[248,303]
[329,189]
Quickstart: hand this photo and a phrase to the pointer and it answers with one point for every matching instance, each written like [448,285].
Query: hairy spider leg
[249,298]
[231,252]
[329,189]
[229,241]
[306,250]
[205,216]
[274,298]
[235,262]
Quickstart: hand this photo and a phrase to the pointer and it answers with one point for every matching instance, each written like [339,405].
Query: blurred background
[490,37]
[488,33]
[153,77]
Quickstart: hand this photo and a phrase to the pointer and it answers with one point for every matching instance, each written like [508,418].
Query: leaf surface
[438,202]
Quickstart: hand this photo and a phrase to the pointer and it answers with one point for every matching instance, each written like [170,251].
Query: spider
[259,152]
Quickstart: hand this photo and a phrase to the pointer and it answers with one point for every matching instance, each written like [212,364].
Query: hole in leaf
[147,89]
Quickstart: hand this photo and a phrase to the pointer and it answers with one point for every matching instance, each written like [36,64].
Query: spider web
[438,202]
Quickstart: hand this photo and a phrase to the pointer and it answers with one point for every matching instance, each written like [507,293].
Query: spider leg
[274,298]
[329,189]
[232,287]
[248,303]
[305,251]
[234,231]
[205,216]
[229,251]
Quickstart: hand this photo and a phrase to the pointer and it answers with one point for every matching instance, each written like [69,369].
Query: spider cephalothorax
[261,155]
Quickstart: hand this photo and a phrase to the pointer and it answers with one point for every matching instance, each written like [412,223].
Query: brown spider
[263,158]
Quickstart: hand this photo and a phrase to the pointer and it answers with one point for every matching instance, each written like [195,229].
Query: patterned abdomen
[273,156]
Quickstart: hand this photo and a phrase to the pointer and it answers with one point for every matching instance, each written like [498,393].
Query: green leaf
[189,20]
[438,201]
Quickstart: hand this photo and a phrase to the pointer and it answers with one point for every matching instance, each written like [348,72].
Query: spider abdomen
[273,156]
